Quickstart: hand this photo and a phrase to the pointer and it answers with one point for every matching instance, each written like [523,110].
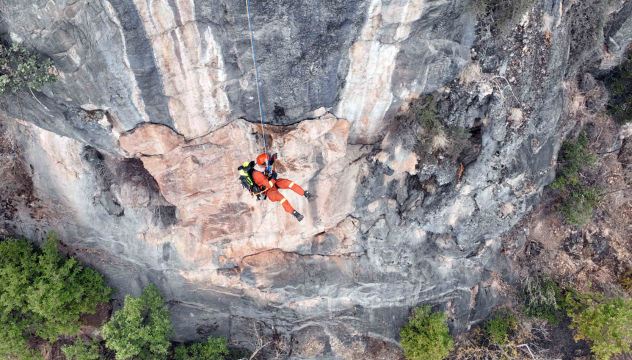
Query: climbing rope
[254,58]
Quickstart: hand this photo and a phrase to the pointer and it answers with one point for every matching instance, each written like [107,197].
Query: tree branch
[610,152]
[36,99]
[259,349]
[527,347]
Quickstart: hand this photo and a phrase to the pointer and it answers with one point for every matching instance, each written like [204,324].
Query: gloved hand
[273,175]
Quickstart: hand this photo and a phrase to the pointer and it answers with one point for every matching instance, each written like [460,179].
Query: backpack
[245,176]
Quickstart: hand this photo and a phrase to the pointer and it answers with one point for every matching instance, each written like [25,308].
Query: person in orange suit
[269,181]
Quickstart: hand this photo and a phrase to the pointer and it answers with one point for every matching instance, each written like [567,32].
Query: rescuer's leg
[287,184]
[275,195]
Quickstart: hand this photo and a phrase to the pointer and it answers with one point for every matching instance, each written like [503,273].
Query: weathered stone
[587,83]
[149,140]
[198,177]
[170,85]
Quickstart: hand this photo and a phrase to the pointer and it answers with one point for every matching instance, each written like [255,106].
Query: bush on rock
[579,200]
[543,298]
[20,68]
[211,349]
[141,329]
[426,336]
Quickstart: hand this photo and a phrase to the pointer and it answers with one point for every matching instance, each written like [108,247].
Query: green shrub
[543,298]
[79,351]
[212,349]
[425,110]
[606,323]
[575,155]
[579,206]
[43,294]
[426,336]
[141,328]
[499,326]
[20,68]
[433,135]
[578,200]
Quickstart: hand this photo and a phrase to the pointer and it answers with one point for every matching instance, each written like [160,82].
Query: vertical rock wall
[131,157]
[188,64]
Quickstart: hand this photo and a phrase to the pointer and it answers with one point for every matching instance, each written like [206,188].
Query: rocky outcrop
[188,64]
[131,157]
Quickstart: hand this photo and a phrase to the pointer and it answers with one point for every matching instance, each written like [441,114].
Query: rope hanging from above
[254,58]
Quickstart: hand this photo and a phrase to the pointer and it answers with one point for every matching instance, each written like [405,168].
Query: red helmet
[262,159]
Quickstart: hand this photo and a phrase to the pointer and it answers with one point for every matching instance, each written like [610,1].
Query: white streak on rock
[192,78]
[367,95]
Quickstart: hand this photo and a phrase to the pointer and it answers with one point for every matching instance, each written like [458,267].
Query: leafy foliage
[426,336]
[607,323]
[43,294]
[499,326]
[141,328]
[212,349]
[579,206]
[543,298]
[79,351]
[619,82]
[578,200]
[434,136]
[20,68]
[575,155]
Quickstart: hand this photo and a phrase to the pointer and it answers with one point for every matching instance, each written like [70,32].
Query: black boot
[298,216]
[309,196]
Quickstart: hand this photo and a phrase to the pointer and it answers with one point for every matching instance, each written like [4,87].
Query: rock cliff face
[131,157]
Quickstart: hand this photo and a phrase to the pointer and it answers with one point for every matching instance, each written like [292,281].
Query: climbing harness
[254,58]
[259,193]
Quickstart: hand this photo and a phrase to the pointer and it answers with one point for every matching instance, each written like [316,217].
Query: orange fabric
[273,193]
[285,184]
[262,180]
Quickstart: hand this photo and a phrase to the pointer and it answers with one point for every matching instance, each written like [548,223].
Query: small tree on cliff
[426,336]
[578,199]
[20,68]
[141,329]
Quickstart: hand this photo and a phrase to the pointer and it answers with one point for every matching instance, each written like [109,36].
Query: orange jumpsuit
[274,186]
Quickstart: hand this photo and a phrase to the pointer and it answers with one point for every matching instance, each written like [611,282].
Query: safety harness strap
[259,193]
